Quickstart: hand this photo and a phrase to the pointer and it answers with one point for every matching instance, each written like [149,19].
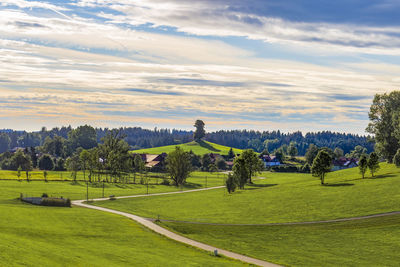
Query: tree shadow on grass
[383,176]
[192,186]
[207,146]
[259,186]
[339,184]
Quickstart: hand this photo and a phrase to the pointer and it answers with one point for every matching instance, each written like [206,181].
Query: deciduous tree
[200,132]
[321,165]
[373,163]
[384,118]
[231,183]
[46,162]
[84,136]
[178,166]
[363,165]
[245,166]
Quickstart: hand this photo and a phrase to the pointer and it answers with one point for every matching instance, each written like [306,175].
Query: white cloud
[175,75]
[214,19]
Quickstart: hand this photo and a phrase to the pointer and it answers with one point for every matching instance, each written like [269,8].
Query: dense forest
[275,139]
[138,138]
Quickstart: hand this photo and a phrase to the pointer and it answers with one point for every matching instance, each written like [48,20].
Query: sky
[308,65]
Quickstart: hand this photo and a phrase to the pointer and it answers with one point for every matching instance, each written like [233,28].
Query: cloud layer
[166,63]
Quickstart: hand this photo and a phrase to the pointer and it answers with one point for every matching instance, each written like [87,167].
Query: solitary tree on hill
[200,132]
[321,165]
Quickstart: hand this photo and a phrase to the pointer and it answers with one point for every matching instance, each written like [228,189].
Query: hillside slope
[199,148]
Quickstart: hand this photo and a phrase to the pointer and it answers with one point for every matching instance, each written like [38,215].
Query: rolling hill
[199,148]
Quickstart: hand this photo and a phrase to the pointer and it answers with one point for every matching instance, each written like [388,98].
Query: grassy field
[285,197]
[196,179]
[369,242]
[38,175]
[199,148]
[77,190]
[49,236]
[281,197]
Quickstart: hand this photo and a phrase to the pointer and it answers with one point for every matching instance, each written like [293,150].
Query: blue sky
[291,65]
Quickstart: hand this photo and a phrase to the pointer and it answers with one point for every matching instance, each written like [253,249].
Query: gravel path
[158,229]
[149,223]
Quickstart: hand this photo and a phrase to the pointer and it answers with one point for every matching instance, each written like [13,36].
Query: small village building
[270,161]
[344,163]
[155,162]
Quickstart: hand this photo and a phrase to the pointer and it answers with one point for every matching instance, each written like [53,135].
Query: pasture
[199,148]
[290,197]
[280,197]
[368,242]
[54,236]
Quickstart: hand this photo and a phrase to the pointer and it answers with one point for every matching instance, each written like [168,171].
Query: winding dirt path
[149,223]
[158,229]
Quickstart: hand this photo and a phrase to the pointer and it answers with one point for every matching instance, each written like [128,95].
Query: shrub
[45,195]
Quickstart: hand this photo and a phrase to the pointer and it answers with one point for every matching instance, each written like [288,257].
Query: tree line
[139,138]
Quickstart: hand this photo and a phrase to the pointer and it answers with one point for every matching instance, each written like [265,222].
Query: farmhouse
[270,161]
[344,163]
[154,161]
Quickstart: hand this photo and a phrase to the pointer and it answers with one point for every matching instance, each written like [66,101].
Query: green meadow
[77,190]
[280,197]
[35,235]
[199,148]
[290,197]
[368,242]
[53,236]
